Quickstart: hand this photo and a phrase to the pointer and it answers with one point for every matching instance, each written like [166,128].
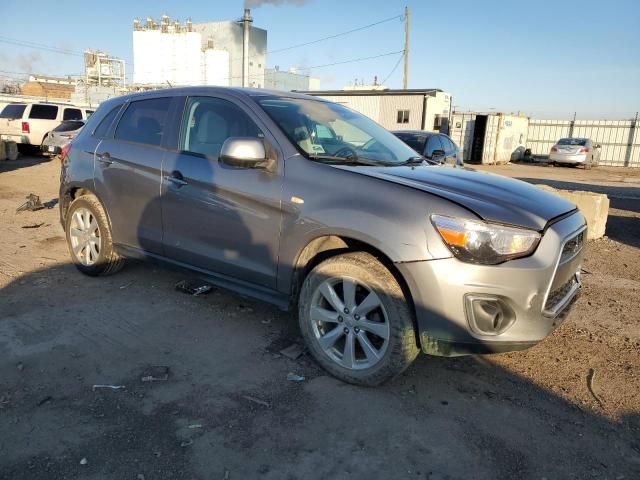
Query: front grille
[559,293]
[572,247]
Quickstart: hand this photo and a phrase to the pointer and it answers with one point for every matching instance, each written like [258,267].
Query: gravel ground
[224,409]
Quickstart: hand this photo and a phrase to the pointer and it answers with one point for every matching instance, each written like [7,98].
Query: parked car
[60,136]
[576,151]
[28,123]
[380,253]
[434,146]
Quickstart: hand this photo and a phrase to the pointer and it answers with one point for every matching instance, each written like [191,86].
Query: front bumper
[539,291]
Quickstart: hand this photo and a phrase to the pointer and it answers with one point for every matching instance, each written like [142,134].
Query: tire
[363,327]
[102,259]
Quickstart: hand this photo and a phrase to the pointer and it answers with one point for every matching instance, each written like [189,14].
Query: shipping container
[489,138]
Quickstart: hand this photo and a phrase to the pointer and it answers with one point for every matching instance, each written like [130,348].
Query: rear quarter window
[43,112]
[13,111]
[72,114]
[103,127]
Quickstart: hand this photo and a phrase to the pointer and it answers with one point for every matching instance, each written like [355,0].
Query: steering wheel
[346,152]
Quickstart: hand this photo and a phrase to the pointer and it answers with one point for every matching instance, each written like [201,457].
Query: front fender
[320,200]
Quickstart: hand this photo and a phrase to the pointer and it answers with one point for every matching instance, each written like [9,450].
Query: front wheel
[356,321]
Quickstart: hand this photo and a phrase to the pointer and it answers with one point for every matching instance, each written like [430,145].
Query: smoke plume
[25,62]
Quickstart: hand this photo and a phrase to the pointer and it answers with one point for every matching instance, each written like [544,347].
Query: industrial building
[413,109]
[167,52]
[276,79]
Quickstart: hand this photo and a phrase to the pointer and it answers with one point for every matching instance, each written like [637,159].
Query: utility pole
[405,78]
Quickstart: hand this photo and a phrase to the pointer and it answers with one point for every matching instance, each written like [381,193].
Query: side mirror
[597,145]
[244,152]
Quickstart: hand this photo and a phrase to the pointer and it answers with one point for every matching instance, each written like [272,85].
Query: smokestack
[246,24]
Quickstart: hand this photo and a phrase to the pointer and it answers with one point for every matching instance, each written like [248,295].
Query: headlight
[479,242]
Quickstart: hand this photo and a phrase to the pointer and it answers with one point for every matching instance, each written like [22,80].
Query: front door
[218,217]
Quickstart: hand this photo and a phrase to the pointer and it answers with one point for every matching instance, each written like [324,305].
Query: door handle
[104,158]
[177,179]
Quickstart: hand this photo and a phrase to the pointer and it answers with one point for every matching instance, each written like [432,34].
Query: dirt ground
[224,409]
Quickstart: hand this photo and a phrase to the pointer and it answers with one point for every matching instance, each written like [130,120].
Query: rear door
[218,217]
[127,173]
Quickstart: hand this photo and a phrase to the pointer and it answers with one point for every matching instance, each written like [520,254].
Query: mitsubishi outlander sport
[313,207]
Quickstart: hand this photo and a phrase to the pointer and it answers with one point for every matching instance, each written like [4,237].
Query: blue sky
[545,58]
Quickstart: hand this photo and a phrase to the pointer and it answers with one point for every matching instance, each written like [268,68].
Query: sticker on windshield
[317,148]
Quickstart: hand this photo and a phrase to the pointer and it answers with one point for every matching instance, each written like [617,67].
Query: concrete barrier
[594,207]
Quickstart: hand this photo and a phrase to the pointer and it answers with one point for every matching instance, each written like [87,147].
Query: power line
[393,69]
[41,46]
[330,37]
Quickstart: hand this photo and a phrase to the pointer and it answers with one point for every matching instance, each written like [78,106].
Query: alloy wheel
[350,323]
[84,235]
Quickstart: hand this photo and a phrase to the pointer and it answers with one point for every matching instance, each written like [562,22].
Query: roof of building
[351,93]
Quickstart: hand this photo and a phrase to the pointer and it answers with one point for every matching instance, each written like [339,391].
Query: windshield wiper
[344,160]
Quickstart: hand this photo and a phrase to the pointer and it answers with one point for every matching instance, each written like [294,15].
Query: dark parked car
[434,146]
[314,207]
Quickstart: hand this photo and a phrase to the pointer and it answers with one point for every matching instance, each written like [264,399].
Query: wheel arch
[324,247]
[73,192]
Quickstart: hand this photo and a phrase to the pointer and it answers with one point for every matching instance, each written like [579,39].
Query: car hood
[493,198]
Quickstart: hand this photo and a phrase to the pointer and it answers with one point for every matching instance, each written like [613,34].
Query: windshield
[13,111]
[573,141]
[321,129]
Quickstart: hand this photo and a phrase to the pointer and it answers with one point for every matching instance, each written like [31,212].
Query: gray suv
[313,207]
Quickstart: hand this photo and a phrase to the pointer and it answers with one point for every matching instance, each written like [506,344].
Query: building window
[403,116]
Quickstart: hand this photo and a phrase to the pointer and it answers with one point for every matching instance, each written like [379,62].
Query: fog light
[488,315]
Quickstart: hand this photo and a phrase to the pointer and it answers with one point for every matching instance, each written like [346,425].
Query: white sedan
[576,151]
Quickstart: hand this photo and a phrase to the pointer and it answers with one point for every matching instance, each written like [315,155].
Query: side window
[403,116]
[72,114]
[433,144]
[144,121]
[414,141]
[102,129]
[43,112]
[89,112]
[209,121]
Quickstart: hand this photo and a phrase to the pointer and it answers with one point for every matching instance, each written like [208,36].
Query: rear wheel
[356,321]
[89,238]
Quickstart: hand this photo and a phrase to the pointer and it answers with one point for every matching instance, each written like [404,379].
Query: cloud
[257,3]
